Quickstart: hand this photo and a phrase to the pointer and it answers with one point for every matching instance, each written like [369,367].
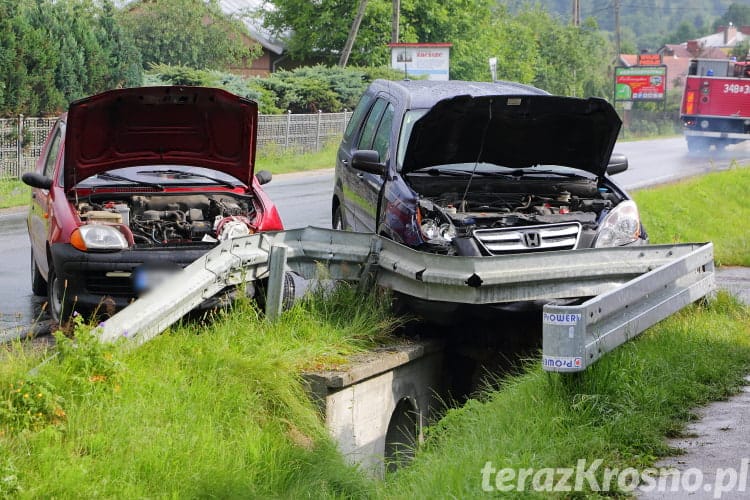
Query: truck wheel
[697,144]
[38,285]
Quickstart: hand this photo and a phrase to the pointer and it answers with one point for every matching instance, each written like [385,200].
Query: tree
[194,33]
[737,14]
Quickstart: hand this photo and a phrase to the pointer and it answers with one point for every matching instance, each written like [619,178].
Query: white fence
[22,138]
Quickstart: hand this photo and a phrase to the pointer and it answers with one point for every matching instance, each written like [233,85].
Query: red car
[133,183]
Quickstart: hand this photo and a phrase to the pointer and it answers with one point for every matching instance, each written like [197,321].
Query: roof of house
[250,12]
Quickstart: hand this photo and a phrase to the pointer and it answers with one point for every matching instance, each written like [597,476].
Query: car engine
[167,220]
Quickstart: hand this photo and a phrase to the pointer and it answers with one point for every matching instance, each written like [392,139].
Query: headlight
[98,237]
[621,226]
[434,232]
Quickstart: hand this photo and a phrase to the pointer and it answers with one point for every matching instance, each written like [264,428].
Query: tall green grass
[215,411]
[619,410]
[712,207]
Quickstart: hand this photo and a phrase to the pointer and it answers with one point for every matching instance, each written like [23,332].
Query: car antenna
[479,156]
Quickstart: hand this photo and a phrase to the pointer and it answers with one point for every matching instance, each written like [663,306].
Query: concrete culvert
[402,436]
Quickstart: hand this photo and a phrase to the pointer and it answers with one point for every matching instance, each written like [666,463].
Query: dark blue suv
[479,168]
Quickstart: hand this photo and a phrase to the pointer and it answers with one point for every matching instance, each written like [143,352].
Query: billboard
[640,83]
[419,59]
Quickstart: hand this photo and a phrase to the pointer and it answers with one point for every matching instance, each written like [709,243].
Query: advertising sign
[640,83]
[417,59]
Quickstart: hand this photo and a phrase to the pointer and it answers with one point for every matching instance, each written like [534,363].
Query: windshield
[164,175]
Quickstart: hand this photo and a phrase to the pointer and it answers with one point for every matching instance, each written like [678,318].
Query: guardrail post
[275,291]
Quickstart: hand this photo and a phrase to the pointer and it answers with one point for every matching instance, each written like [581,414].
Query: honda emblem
[531,239]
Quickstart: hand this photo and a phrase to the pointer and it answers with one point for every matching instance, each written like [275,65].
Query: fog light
[704,123]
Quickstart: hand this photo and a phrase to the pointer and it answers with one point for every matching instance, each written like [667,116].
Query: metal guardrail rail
[649,282]
[574,337]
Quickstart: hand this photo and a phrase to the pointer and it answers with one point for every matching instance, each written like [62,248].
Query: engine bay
[172,219]
[498,210]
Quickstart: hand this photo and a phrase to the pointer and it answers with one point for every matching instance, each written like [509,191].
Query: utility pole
[352,34]
[576,13]
[395,20]
[617,28]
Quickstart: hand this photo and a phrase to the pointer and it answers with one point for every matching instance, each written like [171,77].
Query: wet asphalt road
[304,200]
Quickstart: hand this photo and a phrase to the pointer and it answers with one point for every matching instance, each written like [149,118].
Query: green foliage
[619,410]
[194,33]
[669,213]
[737,14]
[203,410]
[53,52]
[29,403]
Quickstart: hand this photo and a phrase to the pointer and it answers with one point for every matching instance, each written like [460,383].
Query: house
[272,50]
[249,12]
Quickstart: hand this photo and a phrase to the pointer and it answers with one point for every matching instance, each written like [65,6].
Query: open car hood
[515,131]
[194,126]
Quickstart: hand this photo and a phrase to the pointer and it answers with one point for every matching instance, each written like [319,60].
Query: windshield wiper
[434,171]
[533,171]
[115,177]
[179,174]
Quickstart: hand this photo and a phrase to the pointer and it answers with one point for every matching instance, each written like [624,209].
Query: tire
[697,144]
[38,285]
[60,307]
[337,221]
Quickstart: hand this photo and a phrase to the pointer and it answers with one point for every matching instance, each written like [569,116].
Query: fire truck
[716,104]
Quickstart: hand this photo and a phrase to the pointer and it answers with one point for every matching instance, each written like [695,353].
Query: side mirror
[618,162]
[263,176]
[368,160]
[36,180]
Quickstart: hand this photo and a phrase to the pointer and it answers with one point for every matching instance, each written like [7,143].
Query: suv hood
[515,131]
[194,126]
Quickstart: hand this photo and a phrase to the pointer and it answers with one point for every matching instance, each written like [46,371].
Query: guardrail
[633,286]
[574,337]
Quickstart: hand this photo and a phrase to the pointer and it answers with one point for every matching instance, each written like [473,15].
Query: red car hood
[194,126]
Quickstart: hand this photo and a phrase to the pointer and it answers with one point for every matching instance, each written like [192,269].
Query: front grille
[116,286]
[529,238]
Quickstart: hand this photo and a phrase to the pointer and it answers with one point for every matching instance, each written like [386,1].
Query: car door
[372,184]
[361,188]
[38,221]
[346,176]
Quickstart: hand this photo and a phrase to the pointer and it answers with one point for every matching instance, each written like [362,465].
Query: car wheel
[337,221]
[38,285]
[60,307]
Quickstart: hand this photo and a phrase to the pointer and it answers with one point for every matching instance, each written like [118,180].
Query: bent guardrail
[574,337]
[633,287]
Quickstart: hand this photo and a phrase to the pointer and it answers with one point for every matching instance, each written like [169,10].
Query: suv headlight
[434,226]
[98,237]
[622,225]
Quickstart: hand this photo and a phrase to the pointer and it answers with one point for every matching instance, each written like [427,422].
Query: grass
[618,411]
[14,193]
[284,163]
[712,207]
[218,411]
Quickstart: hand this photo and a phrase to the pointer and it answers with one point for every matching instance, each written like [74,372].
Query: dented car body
[479,169]
[133,184]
